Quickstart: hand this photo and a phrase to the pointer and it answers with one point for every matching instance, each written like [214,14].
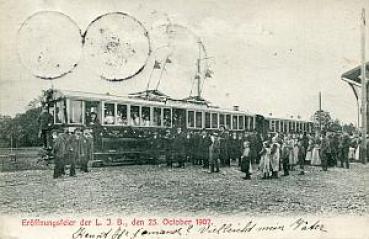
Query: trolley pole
[364,98]
[320,111]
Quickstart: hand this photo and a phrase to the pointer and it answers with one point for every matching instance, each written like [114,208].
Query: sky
[270,56]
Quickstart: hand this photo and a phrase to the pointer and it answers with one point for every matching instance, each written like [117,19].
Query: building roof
[353,76]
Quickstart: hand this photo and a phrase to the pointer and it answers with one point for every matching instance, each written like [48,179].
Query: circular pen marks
[49,44]
[116,46]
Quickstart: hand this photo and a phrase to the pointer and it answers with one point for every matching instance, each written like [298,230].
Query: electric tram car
[126,128]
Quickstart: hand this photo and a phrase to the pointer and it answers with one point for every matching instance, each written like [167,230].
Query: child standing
[246,160]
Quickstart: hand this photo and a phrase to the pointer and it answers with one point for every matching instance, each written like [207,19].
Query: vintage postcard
[134,119]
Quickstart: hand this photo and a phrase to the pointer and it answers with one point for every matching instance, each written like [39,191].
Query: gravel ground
[140,189]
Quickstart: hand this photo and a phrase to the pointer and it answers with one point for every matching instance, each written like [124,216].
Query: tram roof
[286,119]
[162,100]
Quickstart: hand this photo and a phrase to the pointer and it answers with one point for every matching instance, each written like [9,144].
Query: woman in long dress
[309,151]
[315,156]
[274,159]
[291,145]
[264,164]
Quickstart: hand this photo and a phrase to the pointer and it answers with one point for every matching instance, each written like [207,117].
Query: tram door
[179,118]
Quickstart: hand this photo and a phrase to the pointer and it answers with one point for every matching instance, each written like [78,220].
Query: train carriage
[125,126]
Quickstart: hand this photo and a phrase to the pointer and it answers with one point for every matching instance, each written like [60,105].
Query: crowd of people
[272,155]
[72,148]
[250,151]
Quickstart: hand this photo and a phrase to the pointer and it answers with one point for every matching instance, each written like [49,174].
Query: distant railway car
[124,126]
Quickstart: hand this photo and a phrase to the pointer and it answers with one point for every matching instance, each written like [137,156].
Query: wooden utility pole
[364,98]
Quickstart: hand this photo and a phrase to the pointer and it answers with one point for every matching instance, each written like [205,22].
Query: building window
[157,117]
[75,112]
[122,117]
[199,120]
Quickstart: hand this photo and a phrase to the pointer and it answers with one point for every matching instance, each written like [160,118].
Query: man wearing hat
[325,151]
[214,151]
[344,148]
[45,121]
[179,147]
[224,147]
[85,149]
[60,152]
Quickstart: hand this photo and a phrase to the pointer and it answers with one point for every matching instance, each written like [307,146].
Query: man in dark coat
[73,148]
[224,142]
[85,150]
[45,121]
[214,150]
[305,143]
[204,149]
[334,142]
[196,160]
[285,158]
[345,148]
[60,151]
[325,151]
[167,141]
[179,147]
[254,147]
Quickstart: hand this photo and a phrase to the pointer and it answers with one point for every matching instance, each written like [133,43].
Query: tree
[22,129]
[322,118]
[350,128]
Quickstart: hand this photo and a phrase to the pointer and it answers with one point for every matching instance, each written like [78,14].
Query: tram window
[214,120]
[167,118]
[272,128]
[60,112]
[228,121]
[281,128]
[145,116]
[109,113]
[198,119]
[75,112]
[234,122]
[135,115]
[240,122]
[207,120]
[277,126]
[221,120]
[92,108]
[157,117]
[191,119]
[285,126]
[122,118]
[251,122]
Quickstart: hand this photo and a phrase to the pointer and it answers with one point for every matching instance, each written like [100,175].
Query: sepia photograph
[125,119]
